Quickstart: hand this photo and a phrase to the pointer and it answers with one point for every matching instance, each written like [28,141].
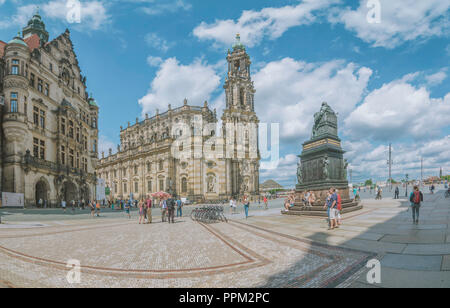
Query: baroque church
[48,123]
[216,164]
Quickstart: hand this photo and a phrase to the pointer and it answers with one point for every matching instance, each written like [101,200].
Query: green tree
[368,183]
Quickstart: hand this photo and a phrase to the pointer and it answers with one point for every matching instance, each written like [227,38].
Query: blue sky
[388,81]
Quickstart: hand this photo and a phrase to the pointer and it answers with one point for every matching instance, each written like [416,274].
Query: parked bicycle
[208,214]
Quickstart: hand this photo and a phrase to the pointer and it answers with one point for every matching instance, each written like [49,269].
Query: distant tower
[240,113]
[36,26]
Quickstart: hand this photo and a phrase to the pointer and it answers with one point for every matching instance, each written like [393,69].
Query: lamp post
[406,180]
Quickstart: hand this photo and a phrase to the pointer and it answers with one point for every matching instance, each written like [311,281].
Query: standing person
[179,208]
[40,202]
[397,192]
[149,210]
[266,203]
[231,206]
[127,209]
[416,198]
[339,209]
[171,210]
[332,206]
[141,212]
[98,207]
[327,201]
[246,205]
[72,203]
[163,205]
[92,206]
[63,205]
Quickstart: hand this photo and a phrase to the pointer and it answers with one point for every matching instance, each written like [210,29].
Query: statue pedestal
[322,167]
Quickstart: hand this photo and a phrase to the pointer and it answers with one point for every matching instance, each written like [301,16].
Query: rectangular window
[71,158]
[70,129]
[13,101]
[15,67]
[149,186]
[36,115]
[47,90]
[40,85]
[36,147]
[125,188]
[85,165]
[136,187]
[32,78]
[42,150]
[161,185]
[51,67]
[39,148]
[42,119]
[63,155]
[63,126]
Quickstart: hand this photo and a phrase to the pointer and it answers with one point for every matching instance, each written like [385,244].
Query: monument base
[317,210]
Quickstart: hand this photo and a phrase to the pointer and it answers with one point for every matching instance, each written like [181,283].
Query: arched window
[184,185]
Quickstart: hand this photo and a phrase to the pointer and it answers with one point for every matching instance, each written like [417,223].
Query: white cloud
[397,110]
[255,25]
[285,173]
[154,41]
[174,82]
[370,161]
[154,61]
[437,78]
[168,7]
[401,21]
[289,92]
[93,13]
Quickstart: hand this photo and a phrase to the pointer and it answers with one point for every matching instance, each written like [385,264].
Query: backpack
[339,203]
[416,199]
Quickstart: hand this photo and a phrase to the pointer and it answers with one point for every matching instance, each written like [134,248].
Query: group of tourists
[168,205]
[245,201]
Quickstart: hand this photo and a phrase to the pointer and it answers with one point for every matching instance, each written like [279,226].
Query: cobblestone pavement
[267,250]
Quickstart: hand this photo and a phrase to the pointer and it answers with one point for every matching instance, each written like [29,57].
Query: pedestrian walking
[141,212]
[92,207]
[179,208]
[163,205]
[171,210]
[63,205]
[149,210]
[266,203]
[246,204]
[416,198]
[127,209]
[98,207]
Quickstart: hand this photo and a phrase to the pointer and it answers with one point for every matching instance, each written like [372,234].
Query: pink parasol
[161,195]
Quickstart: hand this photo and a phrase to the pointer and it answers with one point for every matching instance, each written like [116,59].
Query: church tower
[36,26]
[240,124]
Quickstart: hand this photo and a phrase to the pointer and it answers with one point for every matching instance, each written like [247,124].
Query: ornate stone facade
[49,123]
[182,152]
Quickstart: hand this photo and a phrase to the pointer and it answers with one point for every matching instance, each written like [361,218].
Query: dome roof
[92,102]
[238,44]
[18,40]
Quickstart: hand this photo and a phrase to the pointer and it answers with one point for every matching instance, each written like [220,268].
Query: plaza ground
[266,250]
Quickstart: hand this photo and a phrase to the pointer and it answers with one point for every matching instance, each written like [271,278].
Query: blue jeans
[415,211]
[179,212]
[246,211]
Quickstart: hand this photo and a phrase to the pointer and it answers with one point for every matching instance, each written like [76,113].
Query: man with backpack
[416,198]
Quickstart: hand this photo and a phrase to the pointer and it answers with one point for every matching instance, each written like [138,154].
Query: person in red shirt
[339,208]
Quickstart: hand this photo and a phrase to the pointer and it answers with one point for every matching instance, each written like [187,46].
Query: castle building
[183,151]
[49,123]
